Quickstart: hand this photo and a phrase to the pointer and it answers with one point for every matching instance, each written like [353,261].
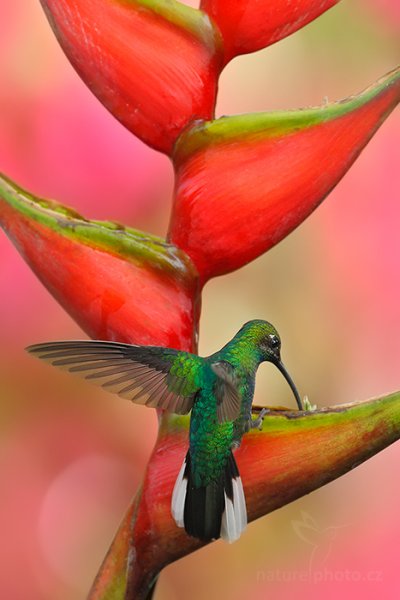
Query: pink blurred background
[71,457]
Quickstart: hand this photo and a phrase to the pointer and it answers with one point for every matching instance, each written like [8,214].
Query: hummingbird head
[264,338]
[269,344]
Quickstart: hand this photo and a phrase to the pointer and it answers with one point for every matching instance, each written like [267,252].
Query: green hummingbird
[208,498]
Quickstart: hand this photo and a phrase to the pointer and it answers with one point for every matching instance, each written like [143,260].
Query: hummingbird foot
[258,422]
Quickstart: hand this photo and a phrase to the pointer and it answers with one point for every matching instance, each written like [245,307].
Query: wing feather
[112,382]
[226,391]
[116,371]
[138,373]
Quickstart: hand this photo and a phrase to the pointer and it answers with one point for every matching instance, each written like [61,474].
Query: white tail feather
[178,497]
[234,518]
[239,503]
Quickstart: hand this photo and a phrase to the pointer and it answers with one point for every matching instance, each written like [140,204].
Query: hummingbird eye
[274,341]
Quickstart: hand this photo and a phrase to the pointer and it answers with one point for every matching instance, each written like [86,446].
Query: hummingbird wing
[156,377]
[226,391]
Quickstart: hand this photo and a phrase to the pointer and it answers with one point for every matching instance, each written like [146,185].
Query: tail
[217,510]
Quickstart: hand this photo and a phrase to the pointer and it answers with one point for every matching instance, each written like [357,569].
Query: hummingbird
[208,498]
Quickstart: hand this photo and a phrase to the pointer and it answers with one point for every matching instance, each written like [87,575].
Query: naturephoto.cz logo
[321,541]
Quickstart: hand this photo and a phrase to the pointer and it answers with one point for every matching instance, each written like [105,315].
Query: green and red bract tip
[245,182]
[117,283]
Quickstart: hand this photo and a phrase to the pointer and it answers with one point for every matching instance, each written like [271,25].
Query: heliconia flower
[247,26]
[117,283]
[242,184]
[153,63]
[245,182]
[293,455]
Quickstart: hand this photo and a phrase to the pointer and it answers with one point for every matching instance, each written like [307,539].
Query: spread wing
[156,377]
[226,391]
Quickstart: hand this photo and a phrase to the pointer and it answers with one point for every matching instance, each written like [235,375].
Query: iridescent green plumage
[208,438]
[208,498]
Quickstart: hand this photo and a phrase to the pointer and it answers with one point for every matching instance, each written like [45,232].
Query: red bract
[245,182]
[247,26]
[117,283]
[153,64]
[293,455]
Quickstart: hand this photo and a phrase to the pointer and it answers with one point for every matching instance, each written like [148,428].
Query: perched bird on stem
[208,498]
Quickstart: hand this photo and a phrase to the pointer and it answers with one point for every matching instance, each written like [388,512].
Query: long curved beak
[286,375]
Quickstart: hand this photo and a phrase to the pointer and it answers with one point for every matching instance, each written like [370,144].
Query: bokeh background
[71,457]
